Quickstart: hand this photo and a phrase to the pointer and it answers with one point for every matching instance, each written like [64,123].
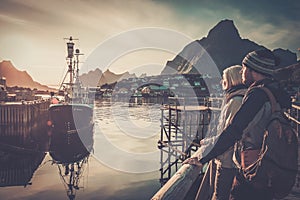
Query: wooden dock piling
[16,118]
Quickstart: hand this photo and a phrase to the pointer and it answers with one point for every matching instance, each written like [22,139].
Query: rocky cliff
[109,77]
[91,78]
[222,47]
[96,77]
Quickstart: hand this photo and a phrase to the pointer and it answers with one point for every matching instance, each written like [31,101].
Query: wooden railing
[294,116]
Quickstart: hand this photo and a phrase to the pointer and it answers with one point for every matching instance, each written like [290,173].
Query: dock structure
[17,119]
[19,122]
[175,148]
[182,127]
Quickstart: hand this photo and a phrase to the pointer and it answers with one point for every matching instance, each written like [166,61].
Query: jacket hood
[238,90]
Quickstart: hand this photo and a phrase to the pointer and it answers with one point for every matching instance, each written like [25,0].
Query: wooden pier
[16,119]
[178,184]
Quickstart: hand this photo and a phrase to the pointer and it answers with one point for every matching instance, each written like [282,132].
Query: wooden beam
[179,184]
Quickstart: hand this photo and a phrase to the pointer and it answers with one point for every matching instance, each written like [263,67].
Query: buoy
[49,123]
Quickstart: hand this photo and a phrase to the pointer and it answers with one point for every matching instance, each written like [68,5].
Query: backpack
[277,164]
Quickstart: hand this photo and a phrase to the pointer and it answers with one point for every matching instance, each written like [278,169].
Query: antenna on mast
[77,54]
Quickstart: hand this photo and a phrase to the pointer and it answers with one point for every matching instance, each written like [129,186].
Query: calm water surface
[123,165]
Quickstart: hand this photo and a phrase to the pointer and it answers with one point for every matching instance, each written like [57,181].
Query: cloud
[271,23]
[44,24]
[275,12]
[25,11]
[262,10]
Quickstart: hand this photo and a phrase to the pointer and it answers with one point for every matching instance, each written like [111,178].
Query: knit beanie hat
[262,61]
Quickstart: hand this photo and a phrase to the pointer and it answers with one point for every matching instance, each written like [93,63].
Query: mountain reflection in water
[39,166]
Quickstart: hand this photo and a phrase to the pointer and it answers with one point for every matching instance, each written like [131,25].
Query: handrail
[179,184]
[292,118]
[296,106]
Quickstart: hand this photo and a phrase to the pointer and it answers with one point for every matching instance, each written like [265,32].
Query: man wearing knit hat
[248,124]
[261,62]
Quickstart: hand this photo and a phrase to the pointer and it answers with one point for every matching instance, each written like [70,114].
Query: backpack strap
[271,98]
[273,103]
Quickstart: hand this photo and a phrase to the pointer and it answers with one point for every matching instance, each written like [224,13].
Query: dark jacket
[249,122]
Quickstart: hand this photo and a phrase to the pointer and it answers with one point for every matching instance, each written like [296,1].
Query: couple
[242,119]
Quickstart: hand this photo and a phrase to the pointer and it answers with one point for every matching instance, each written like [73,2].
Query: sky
[32,32]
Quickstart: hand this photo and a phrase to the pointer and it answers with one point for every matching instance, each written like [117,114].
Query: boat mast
[70,56]
[70,50]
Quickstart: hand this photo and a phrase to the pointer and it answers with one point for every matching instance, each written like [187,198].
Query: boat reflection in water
[70,151]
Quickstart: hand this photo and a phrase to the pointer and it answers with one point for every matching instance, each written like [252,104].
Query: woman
[221,171]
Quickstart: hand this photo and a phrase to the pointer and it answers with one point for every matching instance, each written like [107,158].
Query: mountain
[290,74]
[96,77]
[91,78]
[15,77]
[109,77]
[222,48]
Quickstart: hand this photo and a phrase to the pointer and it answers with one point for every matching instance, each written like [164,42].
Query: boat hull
[71,132]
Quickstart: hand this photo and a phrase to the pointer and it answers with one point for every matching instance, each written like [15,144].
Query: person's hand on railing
[193,161]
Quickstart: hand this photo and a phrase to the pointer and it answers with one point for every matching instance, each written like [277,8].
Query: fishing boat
[72,117]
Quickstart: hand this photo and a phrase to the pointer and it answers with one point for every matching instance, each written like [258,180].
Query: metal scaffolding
[182,127]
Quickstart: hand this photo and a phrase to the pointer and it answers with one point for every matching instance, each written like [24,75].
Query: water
[124,164]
